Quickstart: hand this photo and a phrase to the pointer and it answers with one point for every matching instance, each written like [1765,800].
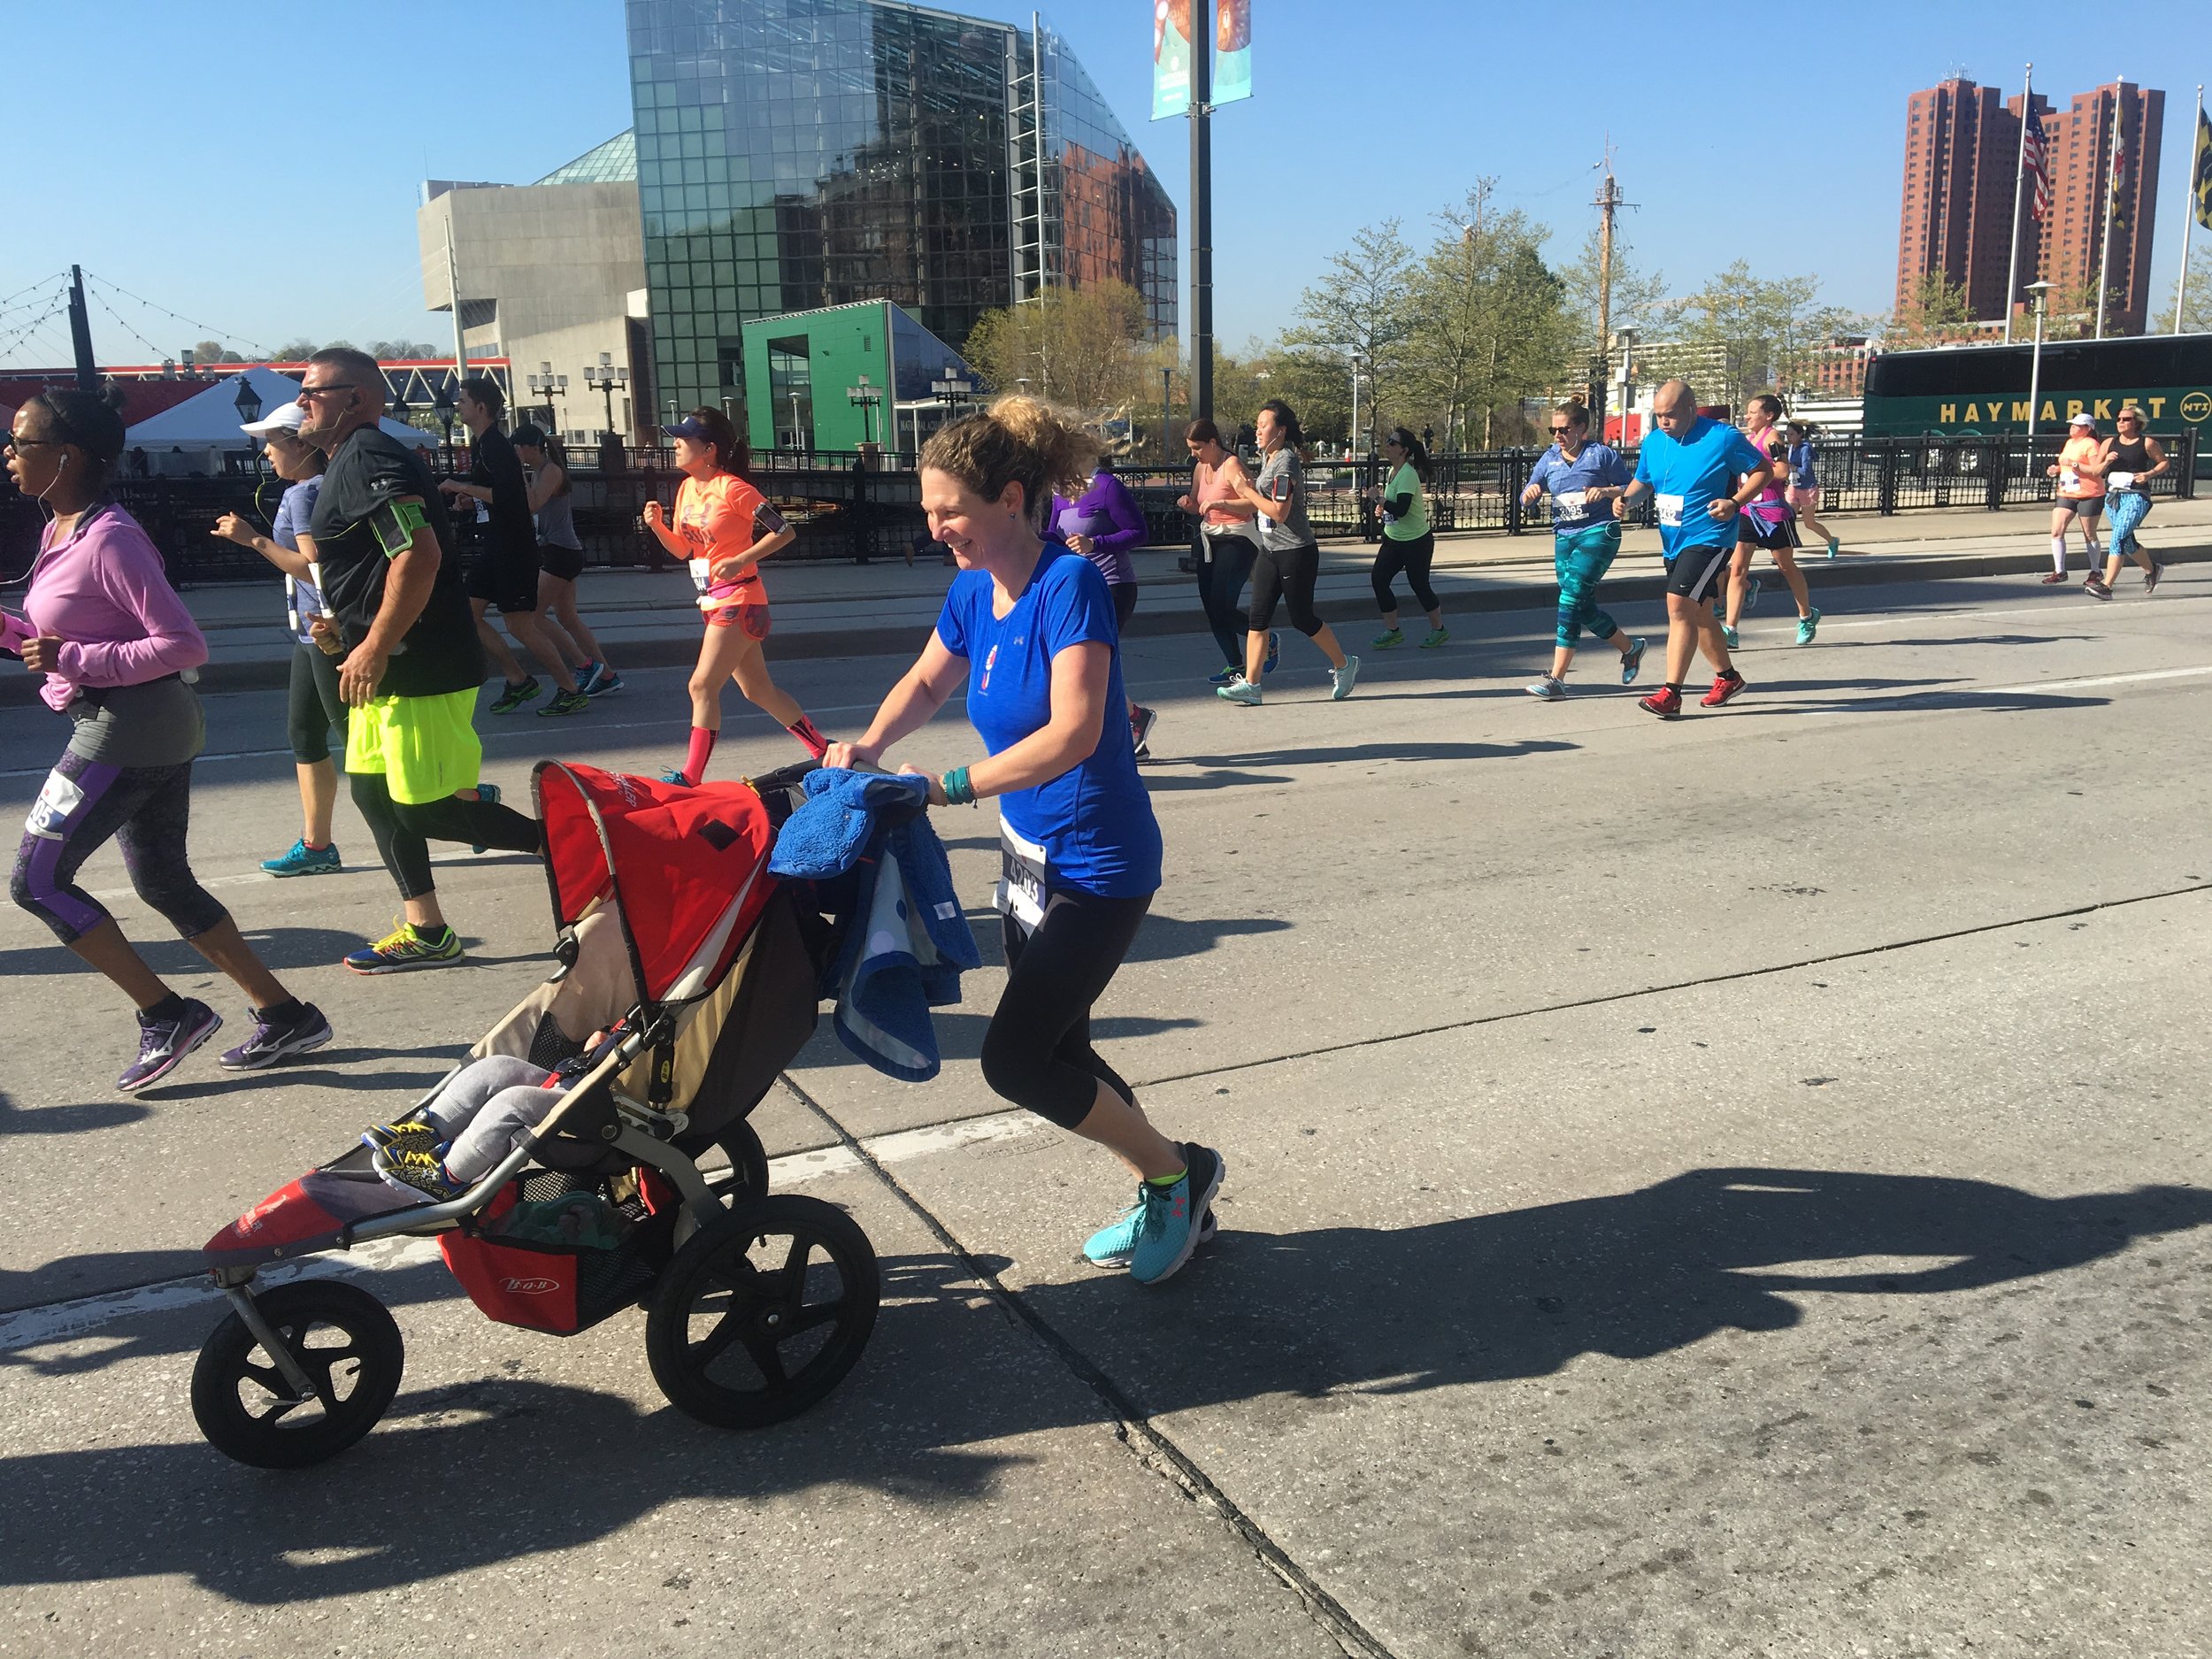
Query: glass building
[794,154]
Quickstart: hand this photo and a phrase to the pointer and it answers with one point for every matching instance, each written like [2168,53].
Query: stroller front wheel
[342,1337]
[763,1311]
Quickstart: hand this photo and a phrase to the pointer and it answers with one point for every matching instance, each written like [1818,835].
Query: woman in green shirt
[1408,542]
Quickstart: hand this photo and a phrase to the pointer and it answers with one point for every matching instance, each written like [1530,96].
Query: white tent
[210,421]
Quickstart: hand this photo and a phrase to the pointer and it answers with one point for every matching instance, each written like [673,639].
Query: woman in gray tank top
[1289,560]
[561,556]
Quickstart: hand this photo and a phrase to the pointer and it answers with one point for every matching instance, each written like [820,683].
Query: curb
[815,644]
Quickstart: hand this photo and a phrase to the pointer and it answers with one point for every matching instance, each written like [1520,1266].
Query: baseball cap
[2083,419]
[283,417]
[689,427]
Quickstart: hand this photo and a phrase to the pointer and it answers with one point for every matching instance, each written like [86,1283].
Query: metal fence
[840,513]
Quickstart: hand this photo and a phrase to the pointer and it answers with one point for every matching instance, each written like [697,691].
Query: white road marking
[33,1327]
[2103,680]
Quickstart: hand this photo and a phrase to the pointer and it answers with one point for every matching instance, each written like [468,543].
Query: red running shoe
[1724,688]
[2054,579]
[1666,703]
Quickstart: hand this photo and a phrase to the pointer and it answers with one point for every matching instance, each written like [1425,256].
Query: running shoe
[2150,578]
[1806,626]
[1549,688]
[412,1132]
[1725,690]
[675,775]
[406,948]
[1274,651]
[278,1039]
[2054,579]
[1437,636]
[1167,1233]
[1666,703]
[1729,637]
[587,674]
[1389,641]
[164,1044]
[2096,589]
[1342,679]
[1113,1244]
[514,697]
[566,703]
[1632,661]
[1241,691]
[1141,720]
[604,682]
[303,860]
[1751,595]
[488,793]
[1835,546]
[1226,676]
[417,1167]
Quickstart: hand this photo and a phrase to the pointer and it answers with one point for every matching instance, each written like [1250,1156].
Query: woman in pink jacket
[101,623]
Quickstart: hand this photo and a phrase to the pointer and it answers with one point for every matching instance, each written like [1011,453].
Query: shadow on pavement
[66,1120]
[1298,1315]
[960,1037]
[1320,756]
[1991,702]
[281,950]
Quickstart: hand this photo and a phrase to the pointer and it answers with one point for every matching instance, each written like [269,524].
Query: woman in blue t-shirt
[1030,625]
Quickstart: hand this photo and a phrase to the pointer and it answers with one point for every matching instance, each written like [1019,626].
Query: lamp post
[605,377]
[249,407]
[952,392]
[441,401]
[1167,412]
[2041,291]
[866,399]
[547,384]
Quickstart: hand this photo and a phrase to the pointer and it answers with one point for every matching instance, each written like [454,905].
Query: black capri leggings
[1412,557]
[1037,1051]
[146,811]
[1287,575]
[316,710]
[404,832]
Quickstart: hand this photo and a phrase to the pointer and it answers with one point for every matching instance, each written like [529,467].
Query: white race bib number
[1021,880]
[1573,503]
[56,801]
[702,577]
[2068,478]
[1669,511]
[2120,481]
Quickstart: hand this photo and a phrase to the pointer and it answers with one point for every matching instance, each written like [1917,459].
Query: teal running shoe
[1241,691]
[1546,689]
[486,792]
[1806,626]
[1729,637]
[1437,636]
[514,697]
[1113,1244]
[1389,641]
[1342,679]
[1632,661]
[1167,1232]
[303,860]
[1274,651]
[1751,595]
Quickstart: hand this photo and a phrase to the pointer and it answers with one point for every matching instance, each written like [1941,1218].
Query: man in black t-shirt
[383,549]
[506,573]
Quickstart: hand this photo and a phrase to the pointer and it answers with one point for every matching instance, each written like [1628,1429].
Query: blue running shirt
[1595,466]
[1688,475]
[1095,821]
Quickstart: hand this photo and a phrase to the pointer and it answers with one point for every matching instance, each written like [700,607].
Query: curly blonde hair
[1017,440]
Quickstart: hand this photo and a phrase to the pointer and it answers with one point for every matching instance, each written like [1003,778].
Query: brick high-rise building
[2071,245]
[1961,156]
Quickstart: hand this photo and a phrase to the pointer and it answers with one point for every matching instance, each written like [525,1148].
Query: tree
[1359,314]
[1758,333]
[1938,311]
[1639,297]
[2196,317]
[214,351]
[400,351]
[1085,348]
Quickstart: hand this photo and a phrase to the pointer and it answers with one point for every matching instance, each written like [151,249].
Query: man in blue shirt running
[1699,473]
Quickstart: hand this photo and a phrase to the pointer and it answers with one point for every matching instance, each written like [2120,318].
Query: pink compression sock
[802,728]
[701,750]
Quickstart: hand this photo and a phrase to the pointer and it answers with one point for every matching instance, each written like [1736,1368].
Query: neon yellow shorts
[426,747]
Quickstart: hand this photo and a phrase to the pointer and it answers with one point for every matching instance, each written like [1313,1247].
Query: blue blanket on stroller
[908,941]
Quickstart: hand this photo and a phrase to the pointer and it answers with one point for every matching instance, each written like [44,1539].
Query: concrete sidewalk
[646,619]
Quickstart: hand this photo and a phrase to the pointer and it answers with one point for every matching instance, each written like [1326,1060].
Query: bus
[1969,391]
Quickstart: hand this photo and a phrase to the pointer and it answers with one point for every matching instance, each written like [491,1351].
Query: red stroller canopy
[688,865]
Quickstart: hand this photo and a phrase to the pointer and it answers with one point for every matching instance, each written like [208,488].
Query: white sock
[2058,554]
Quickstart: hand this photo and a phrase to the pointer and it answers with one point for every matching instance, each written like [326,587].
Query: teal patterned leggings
[1582,557]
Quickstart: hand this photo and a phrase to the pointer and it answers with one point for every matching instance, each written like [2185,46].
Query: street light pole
[1167,412]
[2035,369]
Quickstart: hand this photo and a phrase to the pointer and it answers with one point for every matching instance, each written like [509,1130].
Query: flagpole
[2111,200]
[2019,177]
[2188,210]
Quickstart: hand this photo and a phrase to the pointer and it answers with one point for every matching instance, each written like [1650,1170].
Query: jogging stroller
[757,1305]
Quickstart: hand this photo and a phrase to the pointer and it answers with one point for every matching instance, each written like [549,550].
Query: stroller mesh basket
[558,1287]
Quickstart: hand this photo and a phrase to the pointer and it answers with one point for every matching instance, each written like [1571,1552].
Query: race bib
[700,578]
[1573,503]
[1669,511]
[1023,869]
[2068,478]
[2120,481]
[56,801]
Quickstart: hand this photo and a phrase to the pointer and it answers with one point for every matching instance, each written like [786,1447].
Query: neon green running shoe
[1437,636]
[406,948]
[1389,641]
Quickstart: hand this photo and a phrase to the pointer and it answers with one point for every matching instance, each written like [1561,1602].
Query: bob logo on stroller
[529,1287]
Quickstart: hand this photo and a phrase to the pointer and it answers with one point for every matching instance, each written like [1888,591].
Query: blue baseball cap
[689,427]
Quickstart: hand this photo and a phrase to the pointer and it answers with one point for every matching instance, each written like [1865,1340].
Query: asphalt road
[1731,1187]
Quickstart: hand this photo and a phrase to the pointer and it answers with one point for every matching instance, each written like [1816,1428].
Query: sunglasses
[35,443]
[340,386]
[1561,432]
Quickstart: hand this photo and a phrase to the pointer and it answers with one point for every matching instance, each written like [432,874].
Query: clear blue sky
[216,159]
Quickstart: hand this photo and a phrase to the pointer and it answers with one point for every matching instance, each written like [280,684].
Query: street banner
[1170,58]
[2200,180]
[1232,63]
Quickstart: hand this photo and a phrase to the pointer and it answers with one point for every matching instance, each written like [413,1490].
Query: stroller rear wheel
[344,1339]
[763,1313]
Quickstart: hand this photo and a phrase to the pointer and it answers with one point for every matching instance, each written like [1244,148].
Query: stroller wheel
[344,1339]
[749,1164]
[763,1313]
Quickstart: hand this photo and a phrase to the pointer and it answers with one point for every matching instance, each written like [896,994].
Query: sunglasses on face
[317,391]
[34,443]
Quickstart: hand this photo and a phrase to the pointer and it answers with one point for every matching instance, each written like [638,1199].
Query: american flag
[2035,157]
